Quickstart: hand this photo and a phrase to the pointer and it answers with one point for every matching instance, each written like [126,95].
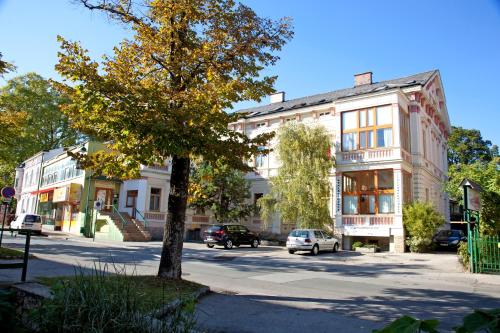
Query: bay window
[368,192]
[368,128]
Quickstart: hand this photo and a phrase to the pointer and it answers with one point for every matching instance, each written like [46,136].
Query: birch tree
[300,192]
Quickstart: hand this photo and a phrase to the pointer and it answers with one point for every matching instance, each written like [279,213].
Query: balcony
[367,220]
[372,155]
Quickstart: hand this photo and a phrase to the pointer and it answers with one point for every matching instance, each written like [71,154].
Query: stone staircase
[134,230]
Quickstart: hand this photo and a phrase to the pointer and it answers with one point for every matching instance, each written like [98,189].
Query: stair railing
[124,222]
[146,222]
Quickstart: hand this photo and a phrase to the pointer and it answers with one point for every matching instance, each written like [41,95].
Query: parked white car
[27,221]
[312,240]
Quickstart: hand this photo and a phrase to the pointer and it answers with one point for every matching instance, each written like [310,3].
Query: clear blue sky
[333,40]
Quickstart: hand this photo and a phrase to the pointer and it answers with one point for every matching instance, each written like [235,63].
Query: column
[397,239]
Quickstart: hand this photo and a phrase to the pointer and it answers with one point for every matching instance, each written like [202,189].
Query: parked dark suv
[229,235]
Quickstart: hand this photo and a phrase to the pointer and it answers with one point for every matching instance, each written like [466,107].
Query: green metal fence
[485,253]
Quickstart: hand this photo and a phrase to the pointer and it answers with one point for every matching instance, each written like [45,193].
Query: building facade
[27,181]
[64,192]
[146,198]
[390,142]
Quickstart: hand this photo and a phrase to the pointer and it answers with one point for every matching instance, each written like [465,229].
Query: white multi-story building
[27,181]
[390,142]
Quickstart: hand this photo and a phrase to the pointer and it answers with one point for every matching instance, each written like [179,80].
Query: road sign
[8,192]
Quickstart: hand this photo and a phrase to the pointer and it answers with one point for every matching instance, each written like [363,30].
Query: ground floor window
[154,199]
[368,192]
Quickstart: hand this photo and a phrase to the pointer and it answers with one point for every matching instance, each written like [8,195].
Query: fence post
[26,255]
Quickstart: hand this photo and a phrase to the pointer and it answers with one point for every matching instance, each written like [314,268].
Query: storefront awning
[44,190]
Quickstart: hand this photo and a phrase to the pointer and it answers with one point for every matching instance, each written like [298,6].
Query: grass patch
[108,299]
[147,290]
[6,253]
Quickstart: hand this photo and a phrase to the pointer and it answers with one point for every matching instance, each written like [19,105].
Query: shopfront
[66,202]
[60,208]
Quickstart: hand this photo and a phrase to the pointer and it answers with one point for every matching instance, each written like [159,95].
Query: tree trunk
[171,254]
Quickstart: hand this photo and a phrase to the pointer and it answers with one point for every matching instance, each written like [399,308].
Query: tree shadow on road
[449,307]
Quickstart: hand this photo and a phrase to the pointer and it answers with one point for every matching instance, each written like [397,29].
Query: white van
[27,221]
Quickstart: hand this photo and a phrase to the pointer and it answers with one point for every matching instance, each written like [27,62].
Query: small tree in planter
[421,220]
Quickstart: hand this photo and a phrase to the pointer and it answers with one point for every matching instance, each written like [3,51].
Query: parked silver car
[312,240]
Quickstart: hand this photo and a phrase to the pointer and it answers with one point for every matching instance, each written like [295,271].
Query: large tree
[466,146]
[5,66]
[301,190]
[222,189]
[31,121]
[164,91]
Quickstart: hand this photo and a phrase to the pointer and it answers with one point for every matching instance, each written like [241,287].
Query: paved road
[268,290]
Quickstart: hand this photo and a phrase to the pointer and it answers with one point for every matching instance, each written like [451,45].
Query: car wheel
[291,251]
[228,244]
[315,250]
[336,247]
[210,245]
[255,243]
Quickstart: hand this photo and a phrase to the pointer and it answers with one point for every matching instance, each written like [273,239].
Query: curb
[170,307]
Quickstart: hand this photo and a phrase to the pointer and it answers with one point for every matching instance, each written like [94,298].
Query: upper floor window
[404,128]
[322,114]
[260,159]
[369,128]
[260,125]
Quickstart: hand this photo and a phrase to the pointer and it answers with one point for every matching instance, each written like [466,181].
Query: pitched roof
[297,103]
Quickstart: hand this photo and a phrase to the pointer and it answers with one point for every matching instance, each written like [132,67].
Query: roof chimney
[278,97]
[362,79]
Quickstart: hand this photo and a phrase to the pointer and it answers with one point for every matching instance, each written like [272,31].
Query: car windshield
[214,228]
[456,233]
[32,218]
[300,233]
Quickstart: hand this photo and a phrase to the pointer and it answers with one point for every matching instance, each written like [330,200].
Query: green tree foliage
[31,121]
[5,67]
[490,214]
[485,174]
[300,191]
[222,189]
[421,221]
[164,91]
[467,146]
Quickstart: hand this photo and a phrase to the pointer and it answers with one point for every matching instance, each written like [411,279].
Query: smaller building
[66,192]
[146,198]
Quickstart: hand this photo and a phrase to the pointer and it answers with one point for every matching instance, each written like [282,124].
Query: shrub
[487,321]
[357,244]
[463,254]
[421,221]
[103,302]
[7,310]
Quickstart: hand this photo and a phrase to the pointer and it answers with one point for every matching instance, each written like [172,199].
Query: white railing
[374,154]
[367,220]
[155,216]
